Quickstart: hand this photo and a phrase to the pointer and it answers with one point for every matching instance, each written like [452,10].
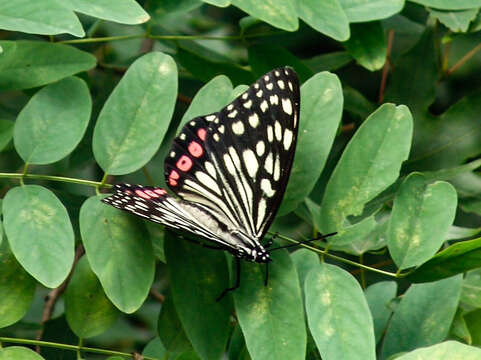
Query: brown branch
[387,66]
[347,127]
[464,59]
[53,296]
[156,295]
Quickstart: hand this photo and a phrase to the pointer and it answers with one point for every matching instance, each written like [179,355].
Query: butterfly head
[256,253]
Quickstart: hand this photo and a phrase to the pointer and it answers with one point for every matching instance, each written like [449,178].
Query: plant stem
[340,259]
[53,178]
[464,59]
[69,347]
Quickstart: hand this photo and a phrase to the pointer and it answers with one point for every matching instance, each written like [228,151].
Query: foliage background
[390,138]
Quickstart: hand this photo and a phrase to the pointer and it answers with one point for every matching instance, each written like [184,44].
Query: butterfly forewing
[237,161]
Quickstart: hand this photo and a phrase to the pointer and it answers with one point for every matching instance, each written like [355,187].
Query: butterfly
[229,170]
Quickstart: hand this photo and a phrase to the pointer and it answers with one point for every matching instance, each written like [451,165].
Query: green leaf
[456,259]
[122,11]
[136,116]
[281,14]
[6,133]
[421,217]
[88,310]
[423,316]
[327,17]
[271,332]
[263,58]
[53,122]
[203,272]
[368,165]
[328,62]
[220,3]
[450,139]
[205,68]
[369,10]
[46,17]
[16,286]
[170,330]
[18,353]
[119,253]
[338,314]
[459,328]
[473,324]
[321,110]
[28,64]
[368,45]
[449,4]
[415,80]
[305,260]
[40,234]
[379,297]
[448,350]
[471,291]
[154,349]
[456,21]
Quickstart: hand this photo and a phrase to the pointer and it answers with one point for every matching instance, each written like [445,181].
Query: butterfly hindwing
[237,161]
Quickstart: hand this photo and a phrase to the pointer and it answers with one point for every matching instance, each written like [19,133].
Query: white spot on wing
[254,120]
[287,139]
[261,212]
[229,164]
[266,78]
[270,133]
[233,114]
[210,118]
[238,128]
[269,164]
[245,95]
[267,187]
[247,104]
[216,137]
[274,99]
[277,168]
[281,85]
[264,106]
[269,86]
[287,106]
[221,129]
[172,153]
[182,136]
[259,93]
[290,86]
[250,162]
[260,148]
[230,107]
[210,169]
[278,130]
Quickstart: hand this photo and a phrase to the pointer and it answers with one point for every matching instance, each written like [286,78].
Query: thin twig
[387,66]
[157,296]
[464,59]
[54,178]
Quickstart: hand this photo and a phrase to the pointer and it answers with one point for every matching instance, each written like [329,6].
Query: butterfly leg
[237,281]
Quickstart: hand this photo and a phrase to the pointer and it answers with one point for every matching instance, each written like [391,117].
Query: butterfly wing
[237,161]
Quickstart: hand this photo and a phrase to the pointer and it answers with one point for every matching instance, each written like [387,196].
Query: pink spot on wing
[195,149]
[160,191]
[174,175]
[184,163]
[151,193]
[172,182]
[201,133]
[142,194]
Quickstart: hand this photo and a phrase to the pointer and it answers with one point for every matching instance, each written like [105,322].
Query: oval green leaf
[456,259]
[379,297]
[46,17]
[448,350]
[368,165]
[471,291]
[456,21]
[368,45]
[220,3]
[421,217]
[18,353]
[327,17]
[121,11]
[87,309]
[271,317]
[136,116]
[338,314]
[305,260]
[40,234]
[449,4]
[203,272]
[53,122]
[210,98]
[281,14]
[119,253]
[6,133]
[154,349]
[423,316]
[321,110]
[28,64]
[369,10]
[16,286]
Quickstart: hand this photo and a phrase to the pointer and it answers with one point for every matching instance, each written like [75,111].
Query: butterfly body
[229,170]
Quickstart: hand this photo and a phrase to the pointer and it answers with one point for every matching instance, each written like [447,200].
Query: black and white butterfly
[229,170]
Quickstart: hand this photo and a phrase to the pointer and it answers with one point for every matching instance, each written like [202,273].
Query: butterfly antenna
[320,237]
